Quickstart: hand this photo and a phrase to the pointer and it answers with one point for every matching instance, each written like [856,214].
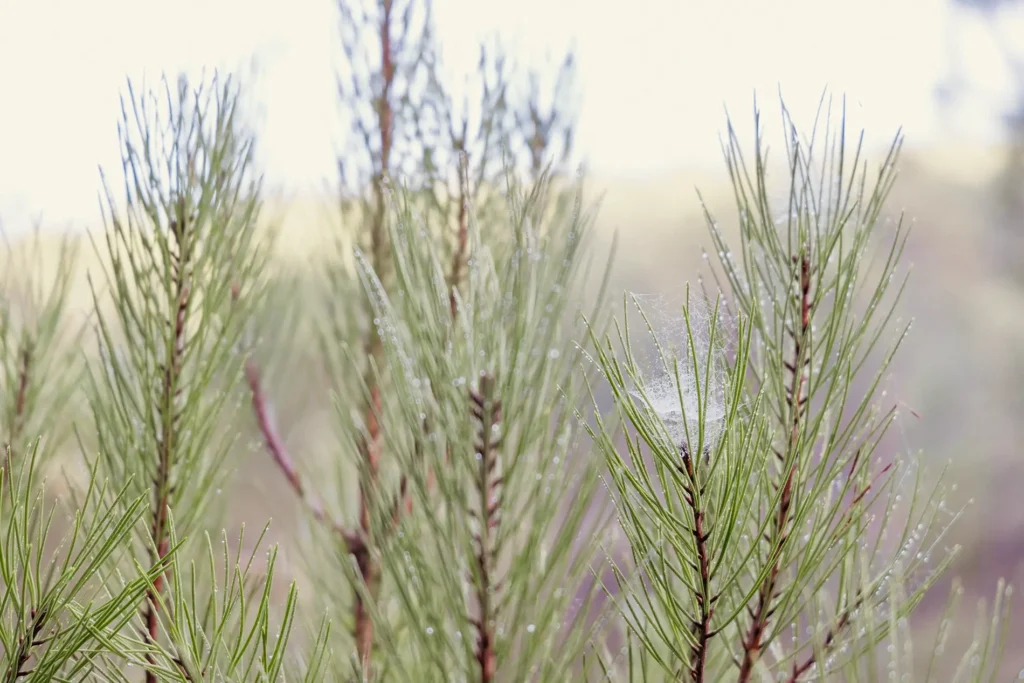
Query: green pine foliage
[524,482]
[752,482]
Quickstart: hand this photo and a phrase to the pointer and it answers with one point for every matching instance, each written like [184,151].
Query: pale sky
[654,75]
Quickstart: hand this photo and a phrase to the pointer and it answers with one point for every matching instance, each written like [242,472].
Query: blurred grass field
[960,370]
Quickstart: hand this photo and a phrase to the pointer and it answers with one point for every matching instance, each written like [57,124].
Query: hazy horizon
[654,79]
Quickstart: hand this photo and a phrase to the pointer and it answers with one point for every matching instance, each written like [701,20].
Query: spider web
[699,391]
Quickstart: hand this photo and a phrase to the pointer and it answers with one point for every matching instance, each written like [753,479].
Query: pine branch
[486,410]
[371,447]
[830,637]
[52,611]
[368,569]
[41,367]
[845,522]
[184,232]
[181,229]
[28,640]
[17,417]
[462,234]
[701,626]
[279,452]
[796,401]
[394,136]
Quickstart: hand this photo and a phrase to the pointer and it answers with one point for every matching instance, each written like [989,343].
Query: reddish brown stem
[800,669]
[31,638]
[844,618]
[830,636]
[355,542]
[458,264]
[462,236]
[279,452]
[18,417]
[487,411]
[23,374]
[706,601]
[170,391]
[368,570]
[762,611]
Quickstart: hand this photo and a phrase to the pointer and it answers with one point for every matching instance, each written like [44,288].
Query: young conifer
[772,537]
[414,151]
[181,263]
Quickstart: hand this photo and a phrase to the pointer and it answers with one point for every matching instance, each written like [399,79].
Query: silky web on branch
[681,365]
